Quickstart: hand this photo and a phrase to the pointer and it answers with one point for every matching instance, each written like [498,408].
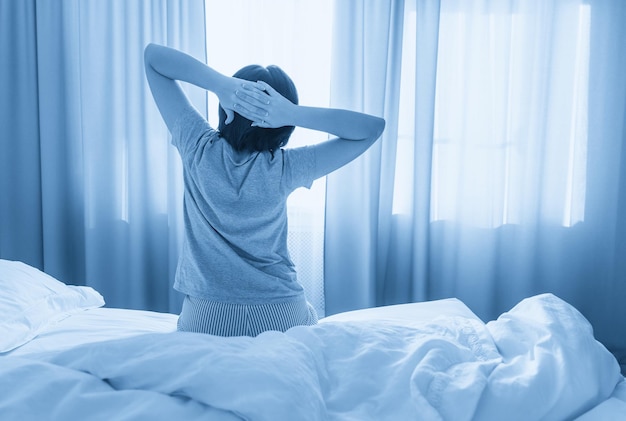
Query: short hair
[239,133]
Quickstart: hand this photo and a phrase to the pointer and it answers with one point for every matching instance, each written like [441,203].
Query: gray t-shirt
[235,239]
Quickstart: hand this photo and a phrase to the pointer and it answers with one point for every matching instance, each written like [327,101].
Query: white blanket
[538,361]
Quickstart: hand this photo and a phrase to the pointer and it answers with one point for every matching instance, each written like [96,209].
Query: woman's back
[235,246]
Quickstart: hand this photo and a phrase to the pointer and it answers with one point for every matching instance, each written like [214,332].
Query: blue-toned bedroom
[313,210]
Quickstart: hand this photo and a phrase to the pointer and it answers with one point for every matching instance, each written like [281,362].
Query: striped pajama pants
[226,319]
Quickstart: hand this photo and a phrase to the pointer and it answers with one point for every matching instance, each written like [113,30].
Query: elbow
[375,129]
[149,54]
[379,128]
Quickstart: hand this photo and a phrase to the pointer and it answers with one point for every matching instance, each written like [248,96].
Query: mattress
[102,323]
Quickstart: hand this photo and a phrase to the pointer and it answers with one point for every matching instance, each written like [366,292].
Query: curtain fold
[108,198]
[416,267]
[364,77]
[602,289]
[60,139]
[20,158]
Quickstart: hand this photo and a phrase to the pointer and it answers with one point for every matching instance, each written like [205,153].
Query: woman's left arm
[164,66]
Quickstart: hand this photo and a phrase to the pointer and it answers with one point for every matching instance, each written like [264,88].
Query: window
[510,130]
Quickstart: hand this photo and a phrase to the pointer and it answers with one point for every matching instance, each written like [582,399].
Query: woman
[234,268]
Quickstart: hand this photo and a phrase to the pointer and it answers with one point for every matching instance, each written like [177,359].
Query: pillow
[30,300]
[412,312]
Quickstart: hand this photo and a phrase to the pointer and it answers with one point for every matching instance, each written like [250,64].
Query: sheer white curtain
[91,189]
[508,149]
[366,68]
[507,171]
[296,36]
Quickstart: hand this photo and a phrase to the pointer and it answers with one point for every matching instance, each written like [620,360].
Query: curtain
[364,77]
[501,173]
[91,189]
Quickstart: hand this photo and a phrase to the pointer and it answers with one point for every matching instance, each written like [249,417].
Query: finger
[253,97]
[250,112]
[251,109]
[230,116]
[266,87]
[254,89]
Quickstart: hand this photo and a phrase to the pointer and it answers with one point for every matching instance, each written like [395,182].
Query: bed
[65,356]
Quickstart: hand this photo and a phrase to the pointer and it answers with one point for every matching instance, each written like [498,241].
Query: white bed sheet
[96,325]
[342,344]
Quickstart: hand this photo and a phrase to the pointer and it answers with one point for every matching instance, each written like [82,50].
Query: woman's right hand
[229,97]
[264,106]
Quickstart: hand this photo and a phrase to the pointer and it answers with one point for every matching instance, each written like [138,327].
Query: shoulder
[189,129]
[189,120]
[301,154]
[298,166]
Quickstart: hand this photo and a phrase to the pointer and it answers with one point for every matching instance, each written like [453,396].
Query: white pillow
[411,312]
[30,300]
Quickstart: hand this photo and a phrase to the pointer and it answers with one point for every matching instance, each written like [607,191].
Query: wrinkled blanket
[537,361]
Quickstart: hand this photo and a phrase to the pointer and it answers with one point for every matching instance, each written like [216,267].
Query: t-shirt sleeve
[188,130]
[298,167]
